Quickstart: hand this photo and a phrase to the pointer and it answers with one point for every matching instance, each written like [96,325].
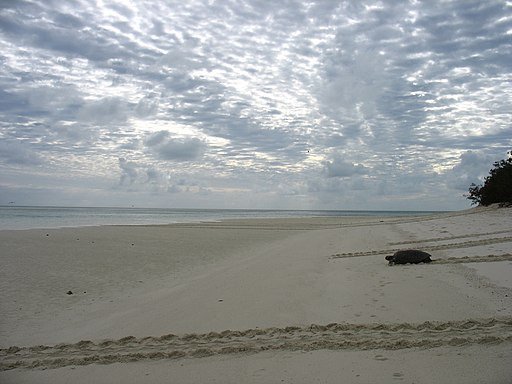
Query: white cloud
[289,101]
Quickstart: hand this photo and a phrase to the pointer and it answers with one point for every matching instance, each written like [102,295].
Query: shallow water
[13,217]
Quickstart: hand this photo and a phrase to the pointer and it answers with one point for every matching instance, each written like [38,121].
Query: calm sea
[12,217]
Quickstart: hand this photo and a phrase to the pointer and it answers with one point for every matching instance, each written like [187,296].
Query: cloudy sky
[253,103]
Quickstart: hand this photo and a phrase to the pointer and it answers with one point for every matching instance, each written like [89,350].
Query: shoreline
[19,218]
[259,274]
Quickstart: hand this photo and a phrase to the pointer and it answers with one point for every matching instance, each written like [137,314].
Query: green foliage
[497,186]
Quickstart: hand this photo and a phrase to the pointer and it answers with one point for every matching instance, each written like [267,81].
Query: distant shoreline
[48,217]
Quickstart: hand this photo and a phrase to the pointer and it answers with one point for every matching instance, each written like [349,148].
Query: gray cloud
[341,168]
[103,111]
[181,149]
[166,147]
[18,153]
[129,171]
[156,138]
[471,169]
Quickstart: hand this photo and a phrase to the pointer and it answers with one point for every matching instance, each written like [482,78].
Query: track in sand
[336,336]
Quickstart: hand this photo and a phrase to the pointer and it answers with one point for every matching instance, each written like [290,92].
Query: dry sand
[260,301]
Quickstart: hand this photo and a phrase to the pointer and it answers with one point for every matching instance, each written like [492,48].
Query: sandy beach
[260,301]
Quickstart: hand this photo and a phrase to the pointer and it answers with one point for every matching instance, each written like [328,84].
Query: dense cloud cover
[253,104]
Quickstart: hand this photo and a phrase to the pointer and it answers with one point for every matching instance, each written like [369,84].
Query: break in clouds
[253,104]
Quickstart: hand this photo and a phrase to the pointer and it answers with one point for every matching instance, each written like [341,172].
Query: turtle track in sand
[474,259]
[450,237]
[335,336]
[465,244]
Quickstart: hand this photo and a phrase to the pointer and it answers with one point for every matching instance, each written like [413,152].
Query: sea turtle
[412,256]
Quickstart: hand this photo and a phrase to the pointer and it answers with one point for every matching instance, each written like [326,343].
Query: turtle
[406,256]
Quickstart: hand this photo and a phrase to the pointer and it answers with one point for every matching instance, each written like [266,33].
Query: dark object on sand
[69,293]
[406,256]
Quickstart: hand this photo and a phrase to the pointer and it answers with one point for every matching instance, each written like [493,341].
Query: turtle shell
[412,256]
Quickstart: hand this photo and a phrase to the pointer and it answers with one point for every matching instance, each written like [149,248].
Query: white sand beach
[260,301]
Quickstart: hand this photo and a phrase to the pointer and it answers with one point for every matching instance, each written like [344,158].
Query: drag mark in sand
[336,336]
[474,259]
[465,244]
[450,237]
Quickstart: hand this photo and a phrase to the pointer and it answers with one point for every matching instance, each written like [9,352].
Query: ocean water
[14,217]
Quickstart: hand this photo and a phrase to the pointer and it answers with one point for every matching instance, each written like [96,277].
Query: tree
[497,186]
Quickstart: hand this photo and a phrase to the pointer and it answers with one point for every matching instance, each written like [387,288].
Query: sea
[23,217]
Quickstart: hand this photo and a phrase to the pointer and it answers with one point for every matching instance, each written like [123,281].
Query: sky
[290,104]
